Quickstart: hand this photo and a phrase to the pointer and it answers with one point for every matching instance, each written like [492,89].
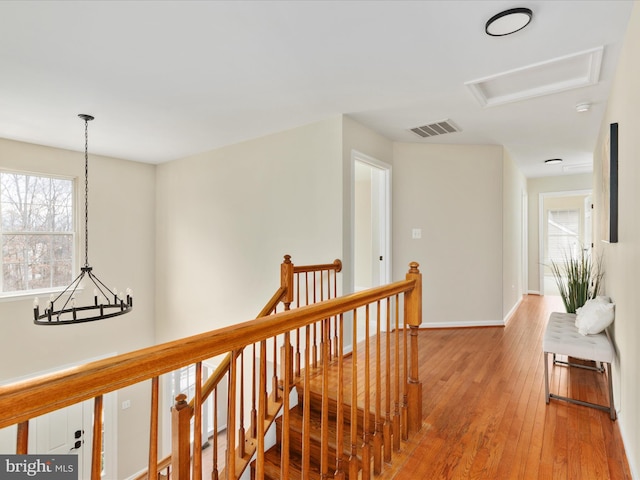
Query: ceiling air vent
[437,128]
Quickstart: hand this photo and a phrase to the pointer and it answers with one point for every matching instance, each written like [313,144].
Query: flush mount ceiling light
[553,161]
[106,303]
[508,22]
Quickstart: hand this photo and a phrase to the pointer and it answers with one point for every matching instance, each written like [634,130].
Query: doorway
[565,229]
[371,221]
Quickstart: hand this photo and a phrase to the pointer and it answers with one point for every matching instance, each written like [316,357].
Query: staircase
[273,456]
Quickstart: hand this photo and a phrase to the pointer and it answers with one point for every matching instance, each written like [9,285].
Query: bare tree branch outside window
[36,220]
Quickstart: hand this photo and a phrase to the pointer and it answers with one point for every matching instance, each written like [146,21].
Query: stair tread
[296,420]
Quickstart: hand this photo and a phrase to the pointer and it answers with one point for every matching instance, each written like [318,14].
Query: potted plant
[579,278]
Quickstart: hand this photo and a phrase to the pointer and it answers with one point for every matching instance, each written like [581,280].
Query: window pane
[37,204]
[36,261]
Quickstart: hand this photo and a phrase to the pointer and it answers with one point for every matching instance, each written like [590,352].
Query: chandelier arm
[100,285]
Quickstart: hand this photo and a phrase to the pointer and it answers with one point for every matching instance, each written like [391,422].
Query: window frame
[75,237]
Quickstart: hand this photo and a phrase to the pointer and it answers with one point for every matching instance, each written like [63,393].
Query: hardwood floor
[485,413]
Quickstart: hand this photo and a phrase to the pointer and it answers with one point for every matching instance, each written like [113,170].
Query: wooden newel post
[413,318]
[180,451]
[286,281]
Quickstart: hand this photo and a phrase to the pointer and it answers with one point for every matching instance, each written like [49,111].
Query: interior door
[65,431]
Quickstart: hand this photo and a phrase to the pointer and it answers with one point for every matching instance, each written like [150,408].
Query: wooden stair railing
[323,279]
[319,329]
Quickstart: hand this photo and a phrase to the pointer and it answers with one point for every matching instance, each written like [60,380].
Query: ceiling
[167,79]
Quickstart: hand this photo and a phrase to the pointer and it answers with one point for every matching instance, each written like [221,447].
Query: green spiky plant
[579,279]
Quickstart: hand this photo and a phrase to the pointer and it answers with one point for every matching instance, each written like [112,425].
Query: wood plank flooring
[485,413]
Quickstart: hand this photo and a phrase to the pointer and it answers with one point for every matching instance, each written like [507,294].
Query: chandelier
[107,303]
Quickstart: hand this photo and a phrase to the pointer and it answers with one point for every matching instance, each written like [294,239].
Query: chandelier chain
[86,192]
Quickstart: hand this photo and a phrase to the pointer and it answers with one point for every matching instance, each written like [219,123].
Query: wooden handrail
[336,265]
[31,398]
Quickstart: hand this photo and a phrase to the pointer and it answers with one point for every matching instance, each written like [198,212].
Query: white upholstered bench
[561,337]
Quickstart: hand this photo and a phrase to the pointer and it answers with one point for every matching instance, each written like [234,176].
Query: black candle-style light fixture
[106,303]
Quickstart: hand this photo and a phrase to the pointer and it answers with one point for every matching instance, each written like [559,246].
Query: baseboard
[469,324]
[632,467]
[509,315]
[533,292]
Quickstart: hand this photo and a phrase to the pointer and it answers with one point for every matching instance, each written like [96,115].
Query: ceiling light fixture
[553,161]
[106,303]
[508,22]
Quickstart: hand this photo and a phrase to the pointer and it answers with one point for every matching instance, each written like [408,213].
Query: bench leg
[612,409]
[546,375]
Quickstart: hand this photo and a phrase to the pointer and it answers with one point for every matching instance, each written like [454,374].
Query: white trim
[357,156]
[541,198]
[467,324]
[633,468]
[533,292]
[509,315]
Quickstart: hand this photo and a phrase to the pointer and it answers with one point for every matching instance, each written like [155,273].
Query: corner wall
[514,196]
[226,218]
[622,259]
[453,193]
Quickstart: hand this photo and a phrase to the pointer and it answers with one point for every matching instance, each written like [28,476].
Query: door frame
[541,226]
[384,210]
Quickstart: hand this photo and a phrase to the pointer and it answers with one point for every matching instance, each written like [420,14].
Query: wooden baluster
[286,378]
[315,325]
[396,361]
[180,426]
[413,317]
[262,408]
[405,373]
[274,379]
[335,327]
[197,425]
[254,412]
[96,451]
[377,434]
[366,447]
[153,430]
[214,470]
[231,418]
[323,330]
[386,427]
[324,422]
[22,438]
[353,458]
[298,334]
[306,407]
[340,474]
[241,430]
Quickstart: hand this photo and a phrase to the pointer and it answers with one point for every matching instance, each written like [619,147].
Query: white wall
[536,186]
[514,189]
[454,194]
[121,251]
[622,260]
[226,218]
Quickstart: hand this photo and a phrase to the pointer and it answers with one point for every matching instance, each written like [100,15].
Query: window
[563,234]
[37,232]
